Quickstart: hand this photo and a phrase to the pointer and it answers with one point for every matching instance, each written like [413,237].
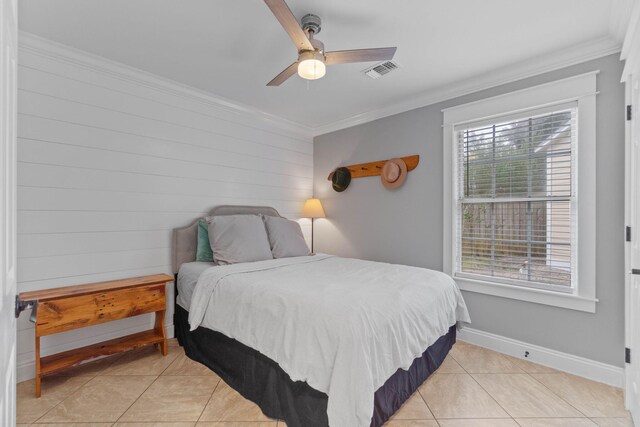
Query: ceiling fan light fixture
[311,65]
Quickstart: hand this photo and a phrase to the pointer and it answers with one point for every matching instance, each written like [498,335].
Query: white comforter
[342,325]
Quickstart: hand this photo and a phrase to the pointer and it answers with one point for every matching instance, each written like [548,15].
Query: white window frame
[582,90]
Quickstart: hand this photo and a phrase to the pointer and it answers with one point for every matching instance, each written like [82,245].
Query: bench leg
[38,390]
[159,328]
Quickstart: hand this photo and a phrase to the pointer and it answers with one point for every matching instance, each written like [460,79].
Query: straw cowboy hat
[393,173]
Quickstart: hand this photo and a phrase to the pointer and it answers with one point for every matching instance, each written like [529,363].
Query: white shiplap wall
[110,159]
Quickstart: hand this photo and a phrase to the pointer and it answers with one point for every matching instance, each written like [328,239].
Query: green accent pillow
[203,250]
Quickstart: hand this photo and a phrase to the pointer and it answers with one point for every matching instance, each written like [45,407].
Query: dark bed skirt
[261,380]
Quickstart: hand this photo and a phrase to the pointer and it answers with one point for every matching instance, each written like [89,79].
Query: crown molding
[597,48]
[531,67]
[28,42]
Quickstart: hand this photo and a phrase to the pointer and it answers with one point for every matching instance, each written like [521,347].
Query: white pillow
[238,238]
[285,237]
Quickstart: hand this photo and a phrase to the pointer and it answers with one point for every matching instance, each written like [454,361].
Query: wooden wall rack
[72,307]
[362,170]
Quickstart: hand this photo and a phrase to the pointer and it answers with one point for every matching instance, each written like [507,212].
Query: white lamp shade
[313,209]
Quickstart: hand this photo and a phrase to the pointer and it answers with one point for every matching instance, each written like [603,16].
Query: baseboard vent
[381,69]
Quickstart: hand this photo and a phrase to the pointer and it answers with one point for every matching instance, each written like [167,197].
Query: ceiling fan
[312,57]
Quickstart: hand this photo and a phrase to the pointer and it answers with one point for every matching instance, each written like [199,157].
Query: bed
[314,340]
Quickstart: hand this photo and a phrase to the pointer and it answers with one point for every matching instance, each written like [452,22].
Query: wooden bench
[72,307]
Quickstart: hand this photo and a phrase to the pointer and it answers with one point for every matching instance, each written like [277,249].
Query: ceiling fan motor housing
[306,55]
[318,45]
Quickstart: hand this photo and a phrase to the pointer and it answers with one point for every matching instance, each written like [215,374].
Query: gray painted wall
[405,226]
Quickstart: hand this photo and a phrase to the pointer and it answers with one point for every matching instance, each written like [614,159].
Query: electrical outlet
[526,354]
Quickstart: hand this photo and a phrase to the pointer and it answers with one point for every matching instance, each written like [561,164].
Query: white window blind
[516,199]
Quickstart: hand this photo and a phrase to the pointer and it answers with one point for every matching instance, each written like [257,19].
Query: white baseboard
[26,368]
[591,369]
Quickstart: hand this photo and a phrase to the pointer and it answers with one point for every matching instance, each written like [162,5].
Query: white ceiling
[232,48]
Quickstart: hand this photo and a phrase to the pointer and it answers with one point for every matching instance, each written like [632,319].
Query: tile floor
[474,387]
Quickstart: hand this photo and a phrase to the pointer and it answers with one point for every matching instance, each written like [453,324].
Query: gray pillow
[238,238]
[285,237]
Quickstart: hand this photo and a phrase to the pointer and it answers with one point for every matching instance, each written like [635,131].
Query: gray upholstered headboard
[185,239]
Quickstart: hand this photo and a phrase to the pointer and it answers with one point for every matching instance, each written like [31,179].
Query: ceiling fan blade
[289,23]
[284,75]
[360,55]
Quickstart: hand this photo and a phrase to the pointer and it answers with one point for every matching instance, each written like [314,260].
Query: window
[520,218]
[515,207]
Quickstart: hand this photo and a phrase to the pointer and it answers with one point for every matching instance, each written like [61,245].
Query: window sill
[538,296]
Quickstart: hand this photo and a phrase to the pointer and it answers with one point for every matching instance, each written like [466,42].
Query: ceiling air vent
[381,69]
